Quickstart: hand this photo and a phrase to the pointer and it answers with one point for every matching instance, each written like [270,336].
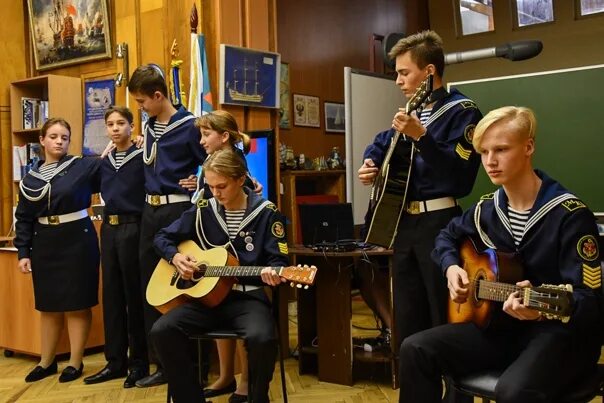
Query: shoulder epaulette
[488,196]
[573,204]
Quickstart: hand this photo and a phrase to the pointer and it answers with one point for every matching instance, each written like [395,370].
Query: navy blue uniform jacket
[123,188]
[262,222]
[446,164]
[178,154]
[560,245]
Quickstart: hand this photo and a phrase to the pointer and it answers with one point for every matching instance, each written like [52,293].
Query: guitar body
[165,291]
[388,195]
[490,266]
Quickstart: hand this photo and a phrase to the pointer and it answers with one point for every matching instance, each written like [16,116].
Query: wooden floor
[300,388]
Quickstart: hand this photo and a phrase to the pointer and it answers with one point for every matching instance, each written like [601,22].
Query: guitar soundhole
[480,275]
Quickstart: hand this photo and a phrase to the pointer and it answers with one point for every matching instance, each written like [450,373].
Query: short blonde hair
[521,119]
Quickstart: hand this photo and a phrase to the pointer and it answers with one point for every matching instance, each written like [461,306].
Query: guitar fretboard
[494,291]
[236,271]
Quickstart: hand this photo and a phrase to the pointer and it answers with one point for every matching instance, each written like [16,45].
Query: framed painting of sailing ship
[249,77]
[68,32]
[334,117]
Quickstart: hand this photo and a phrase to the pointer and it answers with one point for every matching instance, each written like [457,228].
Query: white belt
[423,206]
[63,218]
[159,200]
[239,287]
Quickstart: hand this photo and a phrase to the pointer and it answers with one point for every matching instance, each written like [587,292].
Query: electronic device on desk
[327,227]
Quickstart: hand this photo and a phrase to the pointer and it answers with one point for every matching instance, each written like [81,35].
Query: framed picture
[529,12]
[306,111]
[249,77]
[99,94]
[69,33]
[474,16]
[334,117]
[285,110]
[589,7]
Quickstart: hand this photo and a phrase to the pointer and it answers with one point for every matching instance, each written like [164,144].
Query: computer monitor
[261,161]
[326,223]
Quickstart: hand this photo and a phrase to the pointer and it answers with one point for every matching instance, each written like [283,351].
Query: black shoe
[40,373]
[155,379]
[230,388]
[135,375]
[70,373]
[236,398]
[104,375]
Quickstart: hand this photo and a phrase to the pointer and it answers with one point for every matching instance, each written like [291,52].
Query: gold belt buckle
[155,200]
[413,207]
[53,220]
[114,220]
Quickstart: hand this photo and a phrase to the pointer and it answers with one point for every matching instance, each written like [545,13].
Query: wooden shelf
[27,131]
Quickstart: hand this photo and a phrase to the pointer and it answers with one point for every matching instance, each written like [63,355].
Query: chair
[231,335]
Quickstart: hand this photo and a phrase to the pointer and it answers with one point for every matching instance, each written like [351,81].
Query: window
[531,12]
[476,16]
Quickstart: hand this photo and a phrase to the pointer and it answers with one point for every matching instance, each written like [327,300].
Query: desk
[325,313]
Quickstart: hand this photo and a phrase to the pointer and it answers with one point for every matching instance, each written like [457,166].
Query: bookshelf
[64,96]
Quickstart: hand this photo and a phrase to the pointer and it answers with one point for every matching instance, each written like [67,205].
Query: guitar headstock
[554,301]
[421,94]
[299,275]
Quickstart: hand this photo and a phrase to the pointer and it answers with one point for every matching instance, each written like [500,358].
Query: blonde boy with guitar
[545,338]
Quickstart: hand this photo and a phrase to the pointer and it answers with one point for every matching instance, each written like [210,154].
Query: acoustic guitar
[389,190]
[492,278]
[213,280]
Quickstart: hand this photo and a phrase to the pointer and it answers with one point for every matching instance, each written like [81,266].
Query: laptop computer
[326,224]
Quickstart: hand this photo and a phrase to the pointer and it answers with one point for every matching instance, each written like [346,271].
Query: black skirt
[65,266]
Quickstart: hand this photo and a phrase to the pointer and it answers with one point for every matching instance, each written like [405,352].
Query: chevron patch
[283,247]
[573,204]
[592,276]
[462,152]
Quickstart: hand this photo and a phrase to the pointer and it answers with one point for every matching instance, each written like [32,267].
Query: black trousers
[248,314]
[122,302]
[420,289]
[154,219]
[540,359]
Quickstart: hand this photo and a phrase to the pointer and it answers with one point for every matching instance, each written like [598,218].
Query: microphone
[514,51]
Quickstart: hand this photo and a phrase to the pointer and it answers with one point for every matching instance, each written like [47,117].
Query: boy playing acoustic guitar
[555,237]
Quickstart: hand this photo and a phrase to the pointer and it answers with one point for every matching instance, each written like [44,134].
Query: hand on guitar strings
[367,172]
[457,282]
[186,265]
[514,306]
[409,125]
[269,276]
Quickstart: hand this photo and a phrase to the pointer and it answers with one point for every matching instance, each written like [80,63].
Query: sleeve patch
[271,206]
[488,196]
[278,230]
[587,248]
[573,204]
[592,276]
[283,247]
[467,104]
[462,152]
[468,133]
[202,203]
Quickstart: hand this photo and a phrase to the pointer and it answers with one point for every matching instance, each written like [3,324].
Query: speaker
[389,41]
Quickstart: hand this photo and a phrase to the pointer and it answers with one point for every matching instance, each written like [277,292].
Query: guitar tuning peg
[299,286]
[306,287]
[291,285]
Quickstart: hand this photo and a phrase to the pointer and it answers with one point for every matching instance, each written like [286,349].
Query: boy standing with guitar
[554,234]
[443,168]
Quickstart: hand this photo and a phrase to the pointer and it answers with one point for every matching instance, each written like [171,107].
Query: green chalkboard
[569,105]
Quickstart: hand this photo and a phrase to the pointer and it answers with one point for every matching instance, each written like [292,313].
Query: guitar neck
[494,291]
[236,271]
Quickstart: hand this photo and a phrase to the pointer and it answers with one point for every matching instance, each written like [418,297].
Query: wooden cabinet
[20,322]
[64,96]
[308,183]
